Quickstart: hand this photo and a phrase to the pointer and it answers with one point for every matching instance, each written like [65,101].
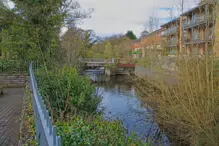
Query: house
[153,41]
[137,49]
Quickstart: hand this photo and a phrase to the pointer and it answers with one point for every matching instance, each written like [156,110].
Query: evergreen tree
[131,35]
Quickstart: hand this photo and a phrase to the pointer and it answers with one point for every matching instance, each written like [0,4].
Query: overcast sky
[118,16]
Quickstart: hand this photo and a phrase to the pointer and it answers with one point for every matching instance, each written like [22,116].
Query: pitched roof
[201,4]
[176,19]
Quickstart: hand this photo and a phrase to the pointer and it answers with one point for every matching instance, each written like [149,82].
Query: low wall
[13,81]
[155,75]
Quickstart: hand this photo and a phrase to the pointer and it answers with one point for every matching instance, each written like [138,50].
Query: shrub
[65,91]
[190,108]
[95,131]
[13,66]
[72,101]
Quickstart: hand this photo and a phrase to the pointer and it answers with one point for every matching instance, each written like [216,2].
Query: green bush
[97,132]
[13,66]
[65,91]
[72,101]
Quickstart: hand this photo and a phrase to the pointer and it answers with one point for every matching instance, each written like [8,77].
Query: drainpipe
[113,61]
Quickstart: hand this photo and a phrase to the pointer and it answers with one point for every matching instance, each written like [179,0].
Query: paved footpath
[10,112]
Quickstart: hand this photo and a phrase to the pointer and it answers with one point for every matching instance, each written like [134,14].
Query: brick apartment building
[149,42]
[153,41]
[170,36]
[192,32]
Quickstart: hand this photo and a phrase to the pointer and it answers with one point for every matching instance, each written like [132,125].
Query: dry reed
[188,109]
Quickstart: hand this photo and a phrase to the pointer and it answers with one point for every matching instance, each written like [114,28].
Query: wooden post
[216,29]
[180,35]
[206,29]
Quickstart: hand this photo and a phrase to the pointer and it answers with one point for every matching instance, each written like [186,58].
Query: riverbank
[187,111]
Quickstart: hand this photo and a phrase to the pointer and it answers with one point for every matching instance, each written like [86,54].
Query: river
[120,101]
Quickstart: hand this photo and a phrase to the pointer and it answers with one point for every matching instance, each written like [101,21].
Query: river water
[120,101]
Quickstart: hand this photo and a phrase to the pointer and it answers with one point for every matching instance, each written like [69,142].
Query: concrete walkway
[10,112]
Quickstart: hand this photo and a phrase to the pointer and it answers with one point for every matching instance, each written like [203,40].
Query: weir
[110,66]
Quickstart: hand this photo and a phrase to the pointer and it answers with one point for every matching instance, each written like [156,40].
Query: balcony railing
[194,22]
[195,40]
[171,30]
[172,42]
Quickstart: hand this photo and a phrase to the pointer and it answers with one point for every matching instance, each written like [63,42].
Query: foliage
[188,109]
[131,35]
[65,91]
[150,59]
[77,43]
[114,47]
[109,51]
[95,131]
[97,55]
[18,42]
[7,16]
[72,103]
[110,66]
[13,66]
[33,28]
[45,16]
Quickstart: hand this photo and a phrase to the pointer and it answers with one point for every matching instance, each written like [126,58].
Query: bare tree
[171,12]
[77,43]
[183,5]
[152,24]
[180,5]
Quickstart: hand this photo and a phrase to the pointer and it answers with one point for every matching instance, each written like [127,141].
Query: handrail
[45,131]
[100,60]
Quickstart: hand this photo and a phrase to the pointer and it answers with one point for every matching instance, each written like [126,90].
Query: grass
[189,109]
[28,130]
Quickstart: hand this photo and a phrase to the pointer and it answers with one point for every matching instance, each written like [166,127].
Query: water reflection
[120,101]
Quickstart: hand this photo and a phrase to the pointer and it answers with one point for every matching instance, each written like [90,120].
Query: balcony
[172,42]
[171,31]
[194,22]
[194,40]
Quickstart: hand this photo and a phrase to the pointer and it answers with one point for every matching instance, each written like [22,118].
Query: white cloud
[118,16]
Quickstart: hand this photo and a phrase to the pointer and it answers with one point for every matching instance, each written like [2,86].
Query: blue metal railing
[45,131]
